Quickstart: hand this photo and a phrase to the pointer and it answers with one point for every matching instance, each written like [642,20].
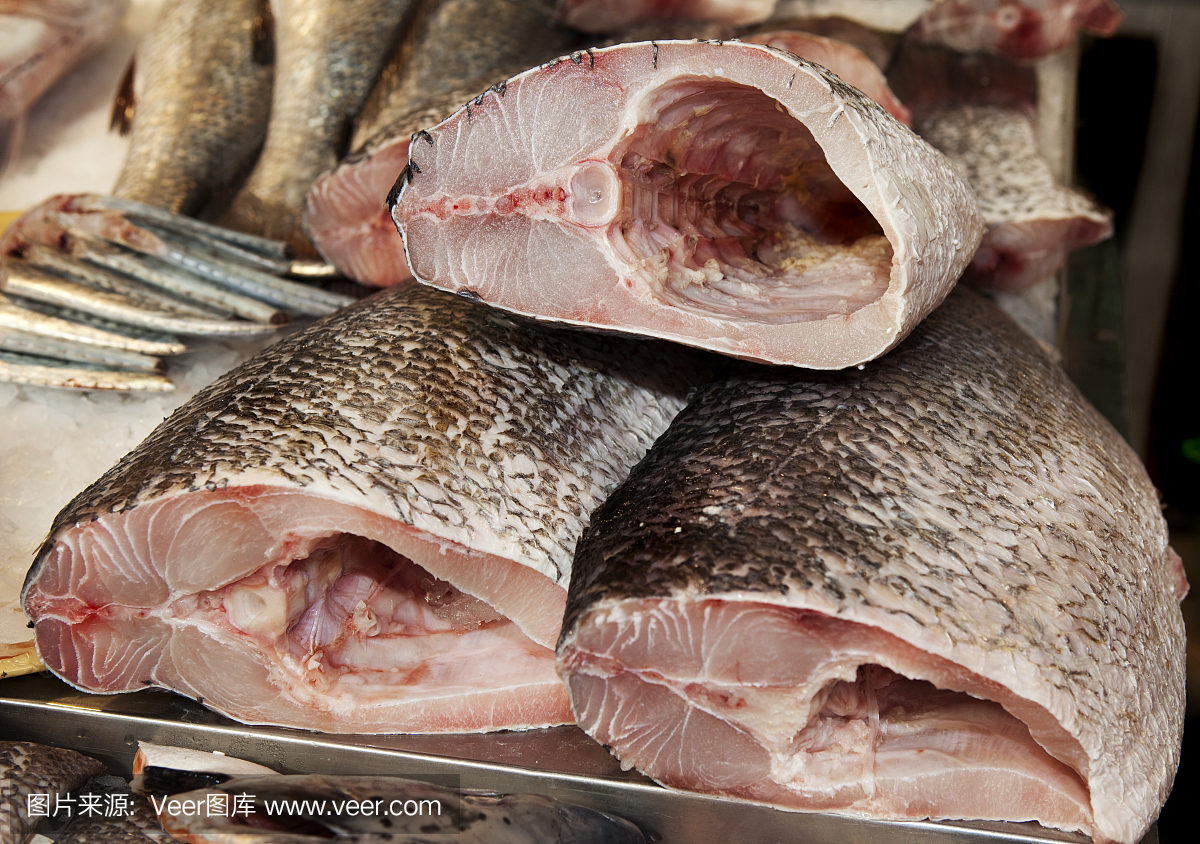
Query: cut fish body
[848,62]
[1023,30]
[728,196]
[939,587]
[1033,221]
[368,528]
[451,52]
[611,15]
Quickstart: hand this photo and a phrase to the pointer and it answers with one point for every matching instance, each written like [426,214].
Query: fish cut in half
[936,588]
[366,528]
[728,196]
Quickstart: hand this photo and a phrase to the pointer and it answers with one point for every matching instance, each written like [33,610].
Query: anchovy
[939,586]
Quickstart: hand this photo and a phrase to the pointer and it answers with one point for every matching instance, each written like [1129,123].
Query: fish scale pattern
[418,404]
[958,493]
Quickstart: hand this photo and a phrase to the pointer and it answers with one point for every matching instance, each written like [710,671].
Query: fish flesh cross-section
[938,587]
[366,528]
[728,196]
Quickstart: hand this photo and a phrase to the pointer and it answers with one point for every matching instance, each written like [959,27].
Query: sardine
[43,40]
[314,808]
[1023,30]
[454,51]
[937,587]
[611,15]
[367,528]
[45,773]
[724,195]
[203,97]
[326,57]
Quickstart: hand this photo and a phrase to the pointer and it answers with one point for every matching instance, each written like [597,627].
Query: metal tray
[562,763]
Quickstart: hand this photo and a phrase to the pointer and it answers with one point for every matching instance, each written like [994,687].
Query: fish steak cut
[367,528]
[937,587]
[724,195]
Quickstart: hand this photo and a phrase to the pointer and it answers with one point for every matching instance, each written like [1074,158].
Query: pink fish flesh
[1023,30]
[938,587]
[346,213]
[611,15]
[724,195]
[850,63]
[367,528]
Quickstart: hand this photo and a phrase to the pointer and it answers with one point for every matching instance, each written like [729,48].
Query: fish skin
[1033,220]
[27,768]
[204,76]
[326,59]
[892,228]
[453,50]
[43,41]
[467,442]
[958,498]
[119,816]
[472,817]
[1022,30]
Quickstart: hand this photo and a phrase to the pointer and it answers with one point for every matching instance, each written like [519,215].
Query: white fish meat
[367,528]
[724,195]
[938,587]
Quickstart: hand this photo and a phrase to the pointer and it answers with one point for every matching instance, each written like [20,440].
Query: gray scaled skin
[451,53]
[27,768]
[955,506]
[107,811]
[461,440]
[437,813]
[328,55]
[203,97]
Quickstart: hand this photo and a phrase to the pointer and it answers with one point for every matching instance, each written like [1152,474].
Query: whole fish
[611,15]
[314,808]
[45,774]
[729,196]
[326,58]
[452,52]
[1022,30]
[937,587]
[43,40]
[366,528]
[202,98]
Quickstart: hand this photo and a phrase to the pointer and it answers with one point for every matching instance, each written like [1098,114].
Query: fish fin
[124,103]
[262,34]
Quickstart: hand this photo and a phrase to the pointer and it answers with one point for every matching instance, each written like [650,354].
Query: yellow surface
[7,217]
[15,664]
